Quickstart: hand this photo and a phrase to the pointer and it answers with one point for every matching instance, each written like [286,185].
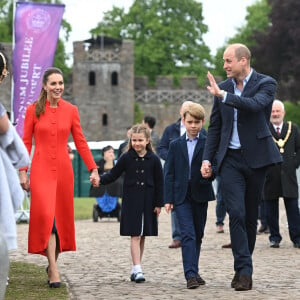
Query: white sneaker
[139,277]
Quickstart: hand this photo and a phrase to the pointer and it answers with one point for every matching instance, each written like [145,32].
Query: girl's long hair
[41,101]
[141,128]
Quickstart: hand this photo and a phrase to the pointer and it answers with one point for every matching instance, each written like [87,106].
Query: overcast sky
[222,17]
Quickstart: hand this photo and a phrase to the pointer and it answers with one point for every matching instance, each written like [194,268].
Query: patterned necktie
[278,131]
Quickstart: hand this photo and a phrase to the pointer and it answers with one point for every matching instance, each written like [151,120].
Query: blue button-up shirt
[191,144]
[235,140]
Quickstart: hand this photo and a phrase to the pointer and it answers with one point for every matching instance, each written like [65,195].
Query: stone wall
[163,101]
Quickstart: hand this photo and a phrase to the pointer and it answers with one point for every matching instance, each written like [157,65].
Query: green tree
[167,36]
[6,33]
[257,21]
[6,20]
[292,112]
[277,50]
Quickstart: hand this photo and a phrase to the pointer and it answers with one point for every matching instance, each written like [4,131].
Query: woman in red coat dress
[49,121]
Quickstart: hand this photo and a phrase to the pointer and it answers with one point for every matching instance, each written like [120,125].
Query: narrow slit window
[114,78]
[92,78]
[104,120]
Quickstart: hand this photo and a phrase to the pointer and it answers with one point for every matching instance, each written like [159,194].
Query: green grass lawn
[83,208]
[29,281]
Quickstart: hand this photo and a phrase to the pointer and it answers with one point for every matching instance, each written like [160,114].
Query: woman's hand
[24,180]
[94,178]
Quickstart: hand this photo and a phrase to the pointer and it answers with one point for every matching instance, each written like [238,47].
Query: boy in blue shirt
[187,192]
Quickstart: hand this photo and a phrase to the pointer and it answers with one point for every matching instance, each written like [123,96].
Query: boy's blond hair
[196,110]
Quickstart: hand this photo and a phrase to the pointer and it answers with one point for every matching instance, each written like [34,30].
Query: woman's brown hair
[41,101]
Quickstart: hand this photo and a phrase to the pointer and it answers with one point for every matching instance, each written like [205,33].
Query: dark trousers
[192,219]
[262,213]
[175,226]
[293,217]
[220,206]
[241,189]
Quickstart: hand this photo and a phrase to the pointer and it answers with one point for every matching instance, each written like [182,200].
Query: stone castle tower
[103,86]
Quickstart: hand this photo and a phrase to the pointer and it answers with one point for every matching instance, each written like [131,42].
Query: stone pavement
[100,267]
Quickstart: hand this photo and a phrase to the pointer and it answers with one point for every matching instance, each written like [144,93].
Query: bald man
[240,141]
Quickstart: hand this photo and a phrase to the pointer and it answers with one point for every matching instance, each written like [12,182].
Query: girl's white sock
[137,269]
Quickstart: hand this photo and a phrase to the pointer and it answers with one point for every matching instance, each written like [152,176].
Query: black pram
[107,197]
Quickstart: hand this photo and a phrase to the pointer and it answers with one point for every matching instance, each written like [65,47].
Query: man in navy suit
[240,141]
[187,192]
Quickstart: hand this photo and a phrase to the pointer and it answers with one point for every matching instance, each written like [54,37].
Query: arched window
[104,120]
[114,78]
[92,78]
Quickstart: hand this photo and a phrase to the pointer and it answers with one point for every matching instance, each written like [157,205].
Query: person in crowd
[123,146]
[170,133]
[281,180]
[49,121]
[263,227]
[150,122]
[13,155]
[220,208]
[187,192]
[70,151]
[110,193]
[240,140]
[142,197]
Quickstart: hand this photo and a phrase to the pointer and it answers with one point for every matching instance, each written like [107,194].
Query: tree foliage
[277,50]
[292,112]
[6,33]
[257,21]
[167,36]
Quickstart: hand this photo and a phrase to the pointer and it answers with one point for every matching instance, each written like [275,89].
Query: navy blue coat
[254,109]
[142,191]
[281,179]
[176,173]
[170,133]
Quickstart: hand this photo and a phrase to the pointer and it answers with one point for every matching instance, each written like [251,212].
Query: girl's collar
[135,154]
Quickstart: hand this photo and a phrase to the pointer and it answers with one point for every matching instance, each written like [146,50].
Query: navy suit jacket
[176,173]
[254,108]
[170,133]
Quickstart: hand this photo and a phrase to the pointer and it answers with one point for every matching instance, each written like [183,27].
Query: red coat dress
[51,173]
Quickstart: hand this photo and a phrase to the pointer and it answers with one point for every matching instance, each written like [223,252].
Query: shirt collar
[194,139]
[280,126]
[245,81]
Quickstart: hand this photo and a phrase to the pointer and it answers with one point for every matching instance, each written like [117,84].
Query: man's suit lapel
[284,129]
[199,145]
[183,147]
[250,84]
[273,132]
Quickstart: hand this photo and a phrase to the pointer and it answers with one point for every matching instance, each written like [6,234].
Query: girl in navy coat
[142,193]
